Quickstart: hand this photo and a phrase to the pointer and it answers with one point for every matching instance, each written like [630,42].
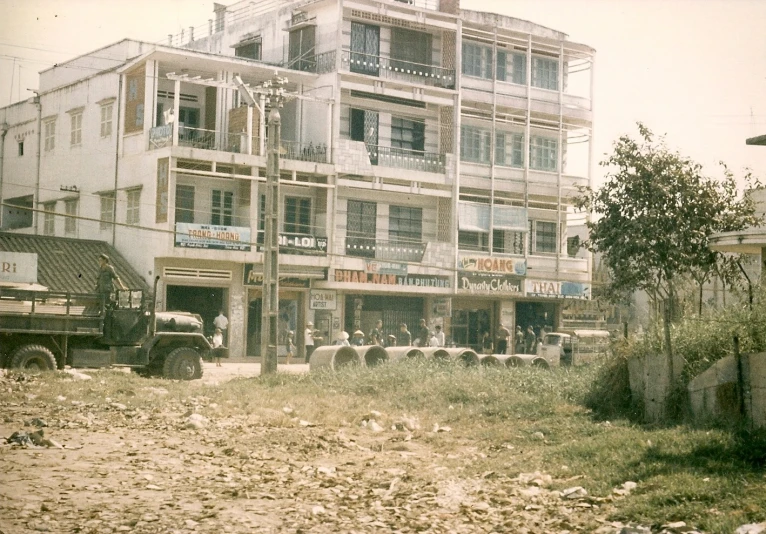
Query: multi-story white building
[429,157]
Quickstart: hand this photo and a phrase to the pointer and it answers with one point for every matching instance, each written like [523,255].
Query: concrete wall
[650,383]
[714,393]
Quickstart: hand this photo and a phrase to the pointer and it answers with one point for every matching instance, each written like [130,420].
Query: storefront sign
[558,290]
[488,283]
[190,235]
[255,278]
[412,280]
[487,264]
[323,299]
[303,242]
[441,307]
[385,267]
[160,136]
[18,267]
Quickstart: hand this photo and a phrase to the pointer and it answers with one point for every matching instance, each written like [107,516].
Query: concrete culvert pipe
[403,353]
[490,360]
[464,356]
[333,357]
[542,363]
[438,353]
[372,355]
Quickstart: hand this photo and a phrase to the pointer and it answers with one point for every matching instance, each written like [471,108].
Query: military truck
[46,330]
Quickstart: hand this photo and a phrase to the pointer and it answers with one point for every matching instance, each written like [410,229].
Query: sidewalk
[228,370]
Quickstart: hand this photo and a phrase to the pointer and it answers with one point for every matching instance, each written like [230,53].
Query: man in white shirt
[439,336]
[308,340]
[223,323]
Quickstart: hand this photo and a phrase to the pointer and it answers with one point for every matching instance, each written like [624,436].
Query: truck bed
[49,312]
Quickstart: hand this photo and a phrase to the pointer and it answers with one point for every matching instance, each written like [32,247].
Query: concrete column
[176,110]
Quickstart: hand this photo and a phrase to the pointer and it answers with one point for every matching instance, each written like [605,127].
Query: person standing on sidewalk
[308,341]
[223,323]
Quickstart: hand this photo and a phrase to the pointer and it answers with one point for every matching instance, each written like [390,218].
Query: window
[519,66]
[49,218]
[543,154]
[412,48]
[50,134]
[365,48]
[508,242]
[70,221]
[509,149]
[361,228]
[106,120]
[250,50]
[21,148]
[222,208]
[474,144]
[184,203]
[133,215]
[545,73]
[17,212]
[407,134]
[364,127]
[75,135]
[476,241]
[477,60]
[301,49]
[139,115]
[544,237]
[107,211]
[405,224]
[297,215]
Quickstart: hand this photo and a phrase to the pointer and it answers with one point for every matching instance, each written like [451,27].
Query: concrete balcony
[380,249]
[397,69]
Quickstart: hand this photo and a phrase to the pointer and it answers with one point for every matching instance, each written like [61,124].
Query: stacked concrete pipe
[372,355]
[402,353]
[438,353]
[465,356]
[491,360]
[333,357]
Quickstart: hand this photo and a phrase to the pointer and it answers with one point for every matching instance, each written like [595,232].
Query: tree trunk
[699,312]
[668,318]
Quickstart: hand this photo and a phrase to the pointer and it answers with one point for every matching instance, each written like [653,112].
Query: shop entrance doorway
[468,327]
[204,301]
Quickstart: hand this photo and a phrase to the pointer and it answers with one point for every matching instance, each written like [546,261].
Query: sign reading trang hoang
[190,235]
[558,290]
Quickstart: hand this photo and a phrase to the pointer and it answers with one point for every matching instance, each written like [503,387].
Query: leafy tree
[653,220]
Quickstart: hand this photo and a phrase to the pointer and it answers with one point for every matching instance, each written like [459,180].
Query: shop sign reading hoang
[190,235]
[487,264]
[411,280]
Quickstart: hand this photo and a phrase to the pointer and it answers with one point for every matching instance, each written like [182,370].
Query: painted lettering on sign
[361,277]
[517,266]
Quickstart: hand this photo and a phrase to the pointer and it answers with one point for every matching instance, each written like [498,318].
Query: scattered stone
[576,492]
[318,510]
[287,410]
[36,422]
[196,421]
[538,436]
[374,426]
[118,406]
[752,528]
[305,423]
[438,428]
[635,530]
[77,375]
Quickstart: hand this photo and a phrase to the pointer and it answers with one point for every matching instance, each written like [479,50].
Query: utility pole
[270,298]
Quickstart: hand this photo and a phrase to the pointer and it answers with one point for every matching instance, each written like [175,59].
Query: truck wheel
[183,363]
[33,358]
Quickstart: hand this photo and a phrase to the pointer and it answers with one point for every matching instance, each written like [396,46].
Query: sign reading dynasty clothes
[488,283]
[190,235]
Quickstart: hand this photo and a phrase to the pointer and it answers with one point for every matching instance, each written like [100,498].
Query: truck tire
[33,358]
[183,363]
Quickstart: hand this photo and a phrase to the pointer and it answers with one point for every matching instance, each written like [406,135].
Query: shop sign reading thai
[18,267]
[385,267]
[190,235]
[411,280]
[255,278]
[323,299]
[488,283]
[494,264]
[558,290]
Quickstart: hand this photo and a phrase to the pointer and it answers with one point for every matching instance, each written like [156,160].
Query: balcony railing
[397,69]
[369,247]
[161,136]
[403,158]
[304,152]
[316,63]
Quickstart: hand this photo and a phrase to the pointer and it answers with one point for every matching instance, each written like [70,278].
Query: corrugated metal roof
[67,264]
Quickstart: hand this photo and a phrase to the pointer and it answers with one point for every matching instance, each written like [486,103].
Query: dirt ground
[182,467]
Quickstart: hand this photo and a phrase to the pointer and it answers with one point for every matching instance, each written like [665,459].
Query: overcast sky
[694,70]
